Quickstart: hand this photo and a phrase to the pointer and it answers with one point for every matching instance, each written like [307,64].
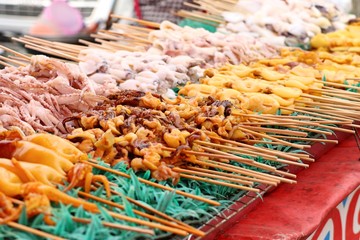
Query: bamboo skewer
[309,139]
[154,184]
[274,152]
[329,100]
[205,154]
[324,116]
[134,28]
[116,225]
[252,163]
[232,175]
[344,95]
[148,224]
[352,107]
[283,120]
[5,64]
[13,61]
[237,149]
[47,49]
[114,46]
[218,182]
[258,174]
[340,91]
[167,226]
[260,165]
[15,53]
[281,131]
[33,231]
[142,22]
[236,169]
[95,45]
[226,178]
[337,84]
[189,228]
[272,138]
[326,112]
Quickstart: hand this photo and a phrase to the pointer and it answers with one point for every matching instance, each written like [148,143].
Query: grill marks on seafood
[37,97]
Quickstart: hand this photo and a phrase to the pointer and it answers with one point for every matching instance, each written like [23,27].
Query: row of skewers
[216,137]
[283,23]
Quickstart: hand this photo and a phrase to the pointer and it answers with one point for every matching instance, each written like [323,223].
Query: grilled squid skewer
[52,161]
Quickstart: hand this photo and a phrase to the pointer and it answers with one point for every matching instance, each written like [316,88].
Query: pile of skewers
[222,133]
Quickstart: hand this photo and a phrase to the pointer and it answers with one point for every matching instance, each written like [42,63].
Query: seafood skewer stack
[290,23]
[221,134]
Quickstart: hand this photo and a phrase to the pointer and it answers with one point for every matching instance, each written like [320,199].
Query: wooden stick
[53,45]
[327,112]
[324,116]
[312,130]
[142,22]
[234,169]
[237,149]
[52,52]
[337,84]
[13,61]
[240,159]
[248,180]
[189,228]
[115,46]
[233,175]
[336,90]
[15,53]
[274,152]
[154,184]
[231,179]
[199,17]
[148,224]
[286,121]
[259,174]
[328,100]
[271,138]
[338,111]
[95,45]
[6,64]
[218,182]
[116,225]
[281,131]
[211,155]
[316,104]
[261,165]
[349,98]
[309,139]
[137,28]
[167,226]
[33,231]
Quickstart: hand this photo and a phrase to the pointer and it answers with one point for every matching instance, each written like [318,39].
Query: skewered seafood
[141,136]
[137,71]
[38,96]
[215,49]
[339,40]
[284,23]
[48,159]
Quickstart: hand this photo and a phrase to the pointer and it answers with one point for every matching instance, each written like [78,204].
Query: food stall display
[150,132]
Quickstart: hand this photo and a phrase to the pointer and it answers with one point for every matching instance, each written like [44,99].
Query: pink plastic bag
[58,19]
